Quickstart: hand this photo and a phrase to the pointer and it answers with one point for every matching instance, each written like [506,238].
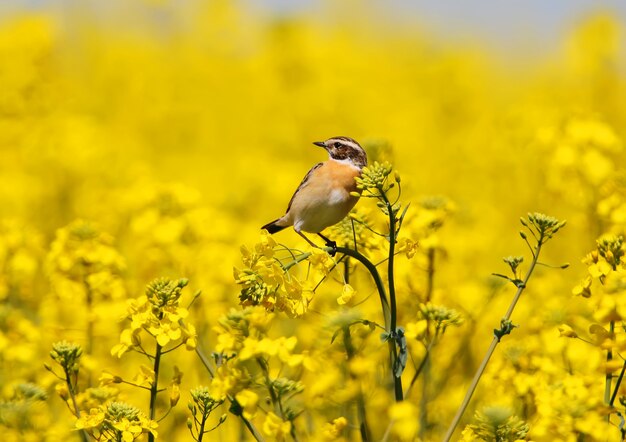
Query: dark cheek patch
[342,153]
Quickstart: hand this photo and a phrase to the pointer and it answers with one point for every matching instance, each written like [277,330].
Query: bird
[327,193]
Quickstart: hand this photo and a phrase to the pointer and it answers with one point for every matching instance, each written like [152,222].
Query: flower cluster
[543,226]
[374,180]
[159,314]
[496,423]
[604,265]
[355,231]
[202,404]
[83,263]
[441,317]
[67,355]
[21,248]
[245,360]
[101,193]
[265,281]
[116,421]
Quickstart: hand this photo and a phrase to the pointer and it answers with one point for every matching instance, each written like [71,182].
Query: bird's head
[346,150]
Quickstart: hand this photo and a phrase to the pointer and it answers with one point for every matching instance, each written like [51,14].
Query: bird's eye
[337,145]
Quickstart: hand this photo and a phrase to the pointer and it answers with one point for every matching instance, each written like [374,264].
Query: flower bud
[62,391]
[174,396]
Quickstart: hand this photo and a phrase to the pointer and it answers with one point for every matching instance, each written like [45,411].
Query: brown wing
[303,184]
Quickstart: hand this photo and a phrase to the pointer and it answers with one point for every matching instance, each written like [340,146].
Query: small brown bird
[323,197]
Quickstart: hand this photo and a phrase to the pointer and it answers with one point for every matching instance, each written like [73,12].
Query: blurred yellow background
[179,128]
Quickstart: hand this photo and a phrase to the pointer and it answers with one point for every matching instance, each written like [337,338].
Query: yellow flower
[584,288]
[567,332]
[107,378]
[405,420]
[266,245]
[248,399]
[83,255]
[333,430]
[275,427]
[600,269]
[347,293]
[321,261]
[145,377]
[62,390]
[158,313]
[415,330]
[91,420]
[408,247]
[227,380]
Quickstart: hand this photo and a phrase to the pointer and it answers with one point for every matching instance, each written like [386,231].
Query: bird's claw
[332,245]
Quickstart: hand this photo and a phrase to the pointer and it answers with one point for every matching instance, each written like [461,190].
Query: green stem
[72,391]
[205,361]
[382,292]
[397,380]
[360,401]
[494,343]
[371,267]
[351,352]
[90,326]
[390,264]
[298,259]
[270,388]
[609,376]
[201,430]
[419,369]
[154,387]
[426,361]
[253,431]
[617,384]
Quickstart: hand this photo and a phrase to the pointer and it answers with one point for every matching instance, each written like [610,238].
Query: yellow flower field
[143,145]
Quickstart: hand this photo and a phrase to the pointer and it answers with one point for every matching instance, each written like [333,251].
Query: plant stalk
[382,292]
[617,384]
[70,387]
[419,369]
[202,424]
[397,380]
[494,343]
[205,361]
[609,376]
[154,387]
[426,362]
[364,429]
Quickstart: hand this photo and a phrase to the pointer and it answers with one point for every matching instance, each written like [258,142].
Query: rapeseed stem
[544,228]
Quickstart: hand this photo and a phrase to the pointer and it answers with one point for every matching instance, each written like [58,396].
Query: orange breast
[325,198]
[338,175]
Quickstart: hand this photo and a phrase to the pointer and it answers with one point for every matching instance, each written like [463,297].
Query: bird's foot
[332,245]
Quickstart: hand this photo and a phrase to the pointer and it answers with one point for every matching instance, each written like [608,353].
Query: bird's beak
[320,144]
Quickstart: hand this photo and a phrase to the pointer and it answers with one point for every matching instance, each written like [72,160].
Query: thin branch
[71,389]
[253,431]
[420,367]
[617,384]
[382,292]
[154,387]
[397,378]
[492,347]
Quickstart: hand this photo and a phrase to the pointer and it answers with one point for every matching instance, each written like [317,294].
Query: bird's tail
[273,227]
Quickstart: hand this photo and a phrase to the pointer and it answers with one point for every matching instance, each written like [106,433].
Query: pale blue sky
[530,24]
[533,24]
